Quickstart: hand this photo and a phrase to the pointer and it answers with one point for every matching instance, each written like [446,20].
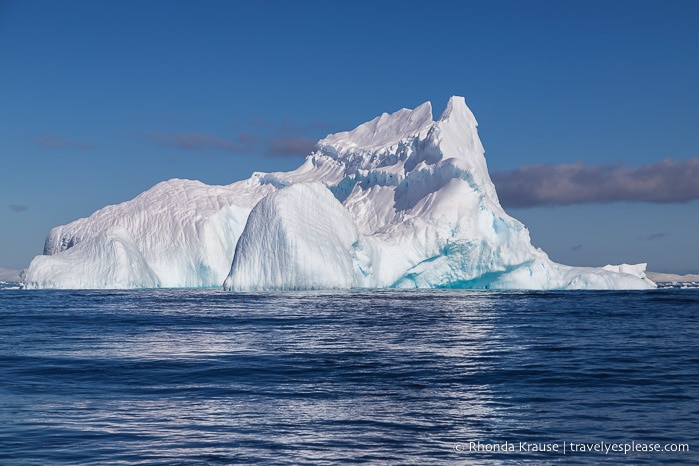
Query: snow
[400,201]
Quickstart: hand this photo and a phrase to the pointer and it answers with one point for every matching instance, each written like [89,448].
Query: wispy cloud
[197,141]
[17,208]
[261,137]
[51,142]
[290,146]
[655,236]
[668,181]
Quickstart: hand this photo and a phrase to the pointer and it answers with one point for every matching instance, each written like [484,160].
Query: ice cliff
[401,201]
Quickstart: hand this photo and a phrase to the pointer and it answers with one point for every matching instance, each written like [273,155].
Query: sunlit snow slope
[400,201]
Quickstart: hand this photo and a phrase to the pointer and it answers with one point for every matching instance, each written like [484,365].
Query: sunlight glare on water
[205,376]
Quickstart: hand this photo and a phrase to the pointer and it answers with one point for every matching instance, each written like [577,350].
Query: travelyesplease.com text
[565,447]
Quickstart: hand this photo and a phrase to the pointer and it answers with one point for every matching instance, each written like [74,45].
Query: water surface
[392,377]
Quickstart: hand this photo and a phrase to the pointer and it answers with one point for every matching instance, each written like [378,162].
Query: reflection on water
[395,377]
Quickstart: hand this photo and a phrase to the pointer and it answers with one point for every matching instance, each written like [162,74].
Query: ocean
[361,377]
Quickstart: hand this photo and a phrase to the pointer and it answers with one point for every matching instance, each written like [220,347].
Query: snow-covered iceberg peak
[369,144]
[383,131]
[401,201]
[461,125]
[457,136]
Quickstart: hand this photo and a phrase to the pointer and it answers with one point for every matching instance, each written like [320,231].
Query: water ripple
[385,377]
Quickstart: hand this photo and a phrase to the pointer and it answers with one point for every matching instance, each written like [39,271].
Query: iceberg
[9,276]
[401,201]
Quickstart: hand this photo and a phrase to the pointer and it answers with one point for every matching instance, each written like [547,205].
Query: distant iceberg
[9,277]
[401,201]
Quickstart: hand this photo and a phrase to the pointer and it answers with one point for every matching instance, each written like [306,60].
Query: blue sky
[101,100]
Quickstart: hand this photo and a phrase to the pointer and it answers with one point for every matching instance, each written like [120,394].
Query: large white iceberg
[401,201]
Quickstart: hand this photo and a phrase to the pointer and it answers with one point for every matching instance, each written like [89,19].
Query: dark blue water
[440,377]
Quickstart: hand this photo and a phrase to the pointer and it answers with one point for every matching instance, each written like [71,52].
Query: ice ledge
[635,270]
[383,131]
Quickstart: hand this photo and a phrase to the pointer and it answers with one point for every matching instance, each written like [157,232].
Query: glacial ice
[290,243]
[401,201]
